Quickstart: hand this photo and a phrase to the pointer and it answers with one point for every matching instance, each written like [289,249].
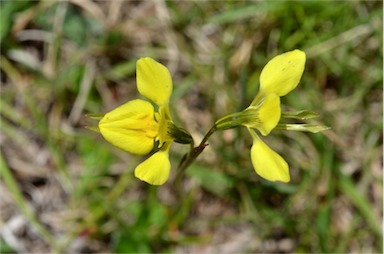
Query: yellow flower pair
[138,127]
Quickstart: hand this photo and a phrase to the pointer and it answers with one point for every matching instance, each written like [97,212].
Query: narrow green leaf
[121,70]
[362,204]
[214,181]
[233,14]
[11,184]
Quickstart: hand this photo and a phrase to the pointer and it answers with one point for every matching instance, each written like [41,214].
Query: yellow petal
[131,127]
[153,80]
[269,114]
[283,73]
[163,117]
[155,170]
[267,163]
[266,114]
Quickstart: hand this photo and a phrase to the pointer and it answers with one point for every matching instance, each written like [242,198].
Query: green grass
[76,192]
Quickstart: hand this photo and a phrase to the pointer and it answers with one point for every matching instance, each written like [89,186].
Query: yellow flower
[279,76]
[137,125]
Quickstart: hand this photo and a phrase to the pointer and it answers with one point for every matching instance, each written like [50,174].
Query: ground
[65,189]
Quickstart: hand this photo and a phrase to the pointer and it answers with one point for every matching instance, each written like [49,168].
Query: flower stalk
[195,151]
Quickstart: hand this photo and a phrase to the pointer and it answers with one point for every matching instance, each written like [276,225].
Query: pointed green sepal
[95,116]
[314,128]
[300,115]
[180,135]
[93,128]
[230,121]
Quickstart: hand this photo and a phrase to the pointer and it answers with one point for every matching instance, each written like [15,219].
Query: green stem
[187,160]
[196,151]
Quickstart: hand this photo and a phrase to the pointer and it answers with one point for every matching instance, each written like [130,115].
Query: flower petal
[266,114]
[153,80]
[155,170]
[163,117]
[267,163]
[283,73]
[131,127]
[269,113]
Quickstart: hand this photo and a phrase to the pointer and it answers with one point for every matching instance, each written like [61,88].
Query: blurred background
[65,189]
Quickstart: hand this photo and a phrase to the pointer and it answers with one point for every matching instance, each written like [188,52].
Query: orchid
[279,76]
[138,127]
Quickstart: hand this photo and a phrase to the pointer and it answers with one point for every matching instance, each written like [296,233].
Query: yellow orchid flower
[137,126]
[279,76]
